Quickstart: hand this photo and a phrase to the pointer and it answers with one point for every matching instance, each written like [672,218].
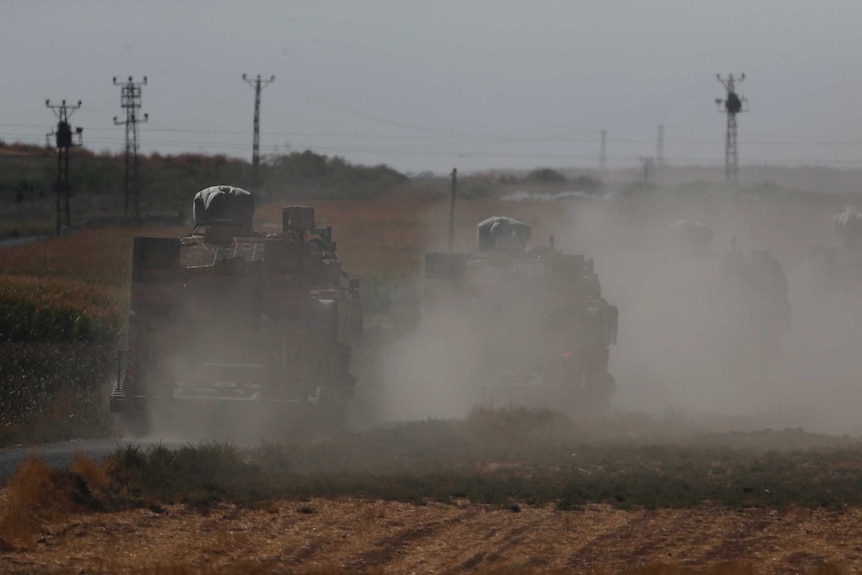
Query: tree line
[167,182]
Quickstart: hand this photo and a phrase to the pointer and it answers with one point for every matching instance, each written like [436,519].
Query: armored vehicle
[839,265]
[727,309]
[534,320]
[756,286]
[226,320]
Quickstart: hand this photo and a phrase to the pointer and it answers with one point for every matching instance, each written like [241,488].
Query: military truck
[230,322]
[538,328]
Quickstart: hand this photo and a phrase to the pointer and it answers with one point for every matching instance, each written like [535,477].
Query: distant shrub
[545,176]
[307,174]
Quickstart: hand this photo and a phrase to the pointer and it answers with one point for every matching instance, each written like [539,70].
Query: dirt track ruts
[352,535]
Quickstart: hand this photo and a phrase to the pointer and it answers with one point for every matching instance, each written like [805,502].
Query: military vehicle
[227,321]
[735,304]
[534,319]
[764,311]
[691,237]
[839,265]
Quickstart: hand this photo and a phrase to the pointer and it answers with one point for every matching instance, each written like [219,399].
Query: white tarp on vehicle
[224,204]
[847,227]
[500,232]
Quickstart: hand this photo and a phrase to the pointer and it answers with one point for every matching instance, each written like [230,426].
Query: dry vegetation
[503,492]
[49,525]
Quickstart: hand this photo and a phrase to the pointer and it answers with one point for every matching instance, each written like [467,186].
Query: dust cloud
[432,371]
[689,343]
[464,353]
[690,336]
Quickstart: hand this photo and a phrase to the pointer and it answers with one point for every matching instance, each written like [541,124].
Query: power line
[193,147]
[688,140]
[130,101]
[258,84]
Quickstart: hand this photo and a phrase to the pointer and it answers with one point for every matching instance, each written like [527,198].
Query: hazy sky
[432,85]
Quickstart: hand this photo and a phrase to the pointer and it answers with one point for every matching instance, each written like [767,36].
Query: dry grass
[95,476]
[37,495]
[31,496]
[253,568]
[93,256]
[727,568]
[724,568]
[427,538]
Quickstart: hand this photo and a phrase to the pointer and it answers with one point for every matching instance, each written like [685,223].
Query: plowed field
[350,536]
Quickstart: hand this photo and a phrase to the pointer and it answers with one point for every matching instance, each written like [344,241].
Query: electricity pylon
[732,105]
[63,141]
[130,101]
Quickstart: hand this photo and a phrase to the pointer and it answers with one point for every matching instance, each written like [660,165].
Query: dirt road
[353,536]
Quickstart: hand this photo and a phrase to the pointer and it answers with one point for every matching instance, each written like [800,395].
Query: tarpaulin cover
[224,203]
[500,232]
[848,227]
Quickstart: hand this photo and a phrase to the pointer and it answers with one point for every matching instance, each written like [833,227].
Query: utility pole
[452,207]
[603,150]
[648,166]
[659,148]
[63,141]
[259,84]
[732,105]
[130,101]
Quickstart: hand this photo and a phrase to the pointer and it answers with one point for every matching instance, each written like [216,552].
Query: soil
[352,535]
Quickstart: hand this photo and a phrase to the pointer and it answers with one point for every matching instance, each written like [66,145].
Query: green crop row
[54,391]
[57,347]
[57,310]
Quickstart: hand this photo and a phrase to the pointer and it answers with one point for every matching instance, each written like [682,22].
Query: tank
[534,320]
[226,322]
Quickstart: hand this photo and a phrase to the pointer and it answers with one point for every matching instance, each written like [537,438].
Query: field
[501,492]
[698,474]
